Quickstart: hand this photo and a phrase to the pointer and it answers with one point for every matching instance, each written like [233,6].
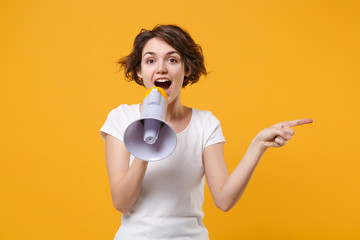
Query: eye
[150,60]
[173,60]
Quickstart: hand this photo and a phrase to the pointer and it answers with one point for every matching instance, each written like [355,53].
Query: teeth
[162,80]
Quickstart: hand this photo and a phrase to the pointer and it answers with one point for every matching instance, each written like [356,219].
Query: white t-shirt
[172,193]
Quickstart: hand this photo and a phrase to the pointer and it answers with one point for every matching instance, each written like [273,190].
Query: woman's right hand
[125,182]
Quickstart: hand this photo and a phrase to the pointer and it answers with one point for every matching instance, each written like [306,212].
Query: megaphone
[150,138]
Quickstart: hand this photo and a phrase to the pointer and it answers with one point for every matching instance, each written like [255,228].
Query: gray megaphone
[150,138]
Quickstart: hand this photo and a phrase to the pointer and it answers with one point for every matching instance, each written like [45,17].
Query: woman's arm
[125,181]
[226,190]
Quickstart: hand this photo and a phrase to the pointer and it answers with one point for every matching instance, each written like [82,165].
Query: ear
[138,72]
[188,73]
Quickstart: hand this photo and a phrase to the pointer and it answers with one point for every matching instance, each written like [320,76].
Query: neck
[175,110]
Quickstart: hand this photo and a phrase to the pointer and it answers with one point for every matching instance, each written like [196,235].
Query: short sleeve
[213,132]
[118,119]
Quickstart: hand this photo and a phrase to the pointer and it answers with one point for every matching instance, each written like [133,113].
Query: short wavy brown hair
[190,52]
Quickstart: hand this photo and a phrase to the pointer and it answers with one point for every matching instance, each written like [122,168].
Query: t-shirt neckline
[185,129]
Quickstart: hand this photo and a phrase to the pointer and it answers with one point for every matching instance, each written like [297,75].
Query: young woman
[163,200]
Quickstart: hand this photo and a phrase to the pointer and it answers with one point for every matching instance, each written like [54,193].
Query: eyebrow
[169,53]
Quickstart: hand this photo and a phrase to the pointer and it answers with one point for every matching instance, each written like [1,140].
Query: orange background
[270,61]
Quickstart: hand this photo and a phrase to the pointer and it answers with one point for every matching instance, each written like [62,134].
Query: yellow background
[270,61]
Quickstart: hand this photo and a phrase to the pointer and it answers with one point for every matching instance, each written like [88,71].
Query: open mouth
[163,83]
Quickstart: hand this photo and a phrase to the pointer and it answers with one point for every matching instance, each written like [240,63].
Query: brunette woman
[163,200]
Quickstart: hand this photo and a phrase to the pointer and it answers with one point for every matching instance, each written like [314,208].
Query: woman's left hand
[279,134]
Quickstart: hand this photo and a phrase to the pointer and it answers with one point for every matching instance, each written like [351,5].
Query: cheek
[147,70]
[143,72]
[180,71]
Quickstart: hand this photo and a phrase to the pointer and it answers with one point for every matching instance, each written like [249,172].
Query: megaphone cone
[150,138]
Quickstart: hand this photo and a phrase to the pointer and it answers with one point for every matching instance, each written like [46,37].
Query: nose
[161,68]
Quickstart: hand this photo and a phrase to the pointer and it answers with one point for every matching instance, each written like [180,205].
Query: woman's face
[162,66]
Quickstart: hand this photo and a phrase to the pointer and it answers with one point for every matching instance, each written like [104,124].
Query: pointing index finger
[298,122]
